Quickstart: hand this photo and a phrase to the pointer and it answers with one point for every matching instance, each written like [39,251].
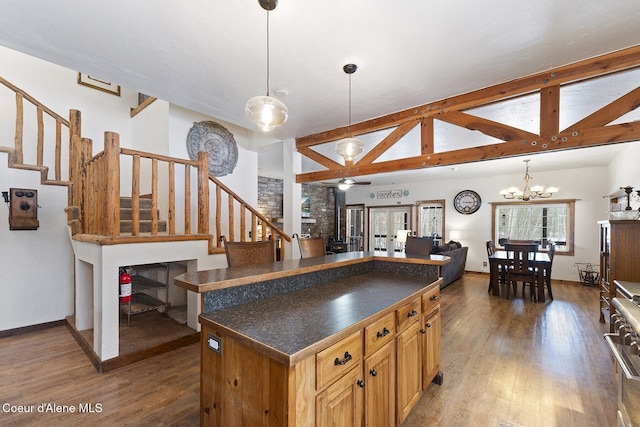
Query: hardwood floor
[506,363]
[517,363]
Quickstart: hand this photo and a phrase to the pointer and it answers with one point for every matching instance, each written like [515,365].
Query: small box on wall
[23,209]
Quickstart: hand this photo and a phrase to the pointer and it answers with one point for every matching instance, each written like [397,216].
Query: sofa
[449,272]
[455,269]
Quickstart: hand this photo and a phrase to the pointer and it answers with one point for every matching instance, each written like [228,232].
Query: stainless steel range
[625,346]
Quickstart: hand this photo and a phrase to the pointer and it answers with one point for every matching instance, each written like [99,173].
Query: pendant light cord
[267,53]
[349,127]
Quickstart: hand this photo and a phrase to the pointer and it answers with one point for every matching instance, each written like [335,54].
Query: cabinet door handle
[373,372]
[360,383]
[433,298]
[423,331]
[428,325]
[339,362]
[412,313]
[384,333]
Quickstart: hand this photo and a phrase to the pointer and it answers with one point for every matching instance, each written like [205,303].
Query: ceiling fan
[346,183]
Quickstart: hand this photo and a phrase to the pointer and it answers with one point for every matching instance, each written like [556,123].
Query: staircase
[145,220]
[109,231]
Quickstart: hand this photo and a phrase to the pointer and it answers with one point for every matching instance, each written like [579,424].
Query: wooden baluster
[58,155]
[40,140]
[254,224]
[232,227]
[218,214]
[243,220]
[84,147]
[135,196]
[154,197]
[187,199]
[172,199]
[17,158]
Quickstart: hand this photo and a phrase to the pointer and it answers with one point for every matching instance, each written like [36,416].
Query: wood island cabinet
[409,344]
[431,328]
[619,244]
[371,377]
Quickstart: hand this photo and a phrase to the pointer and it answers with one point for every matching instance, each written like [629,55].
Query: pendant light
[349,147]
[266,111]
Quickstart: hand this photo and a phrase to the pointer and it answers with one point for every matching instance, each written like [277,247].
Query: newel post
[111,177]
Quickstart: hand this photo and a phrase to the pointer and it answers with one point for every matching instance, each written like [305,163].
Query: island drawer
[379,333]
[335,361]
[430,299]
[408,313]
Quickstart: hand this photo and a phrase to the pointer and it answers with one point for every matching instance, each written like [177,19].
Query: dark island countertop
[221,278]
[292,326]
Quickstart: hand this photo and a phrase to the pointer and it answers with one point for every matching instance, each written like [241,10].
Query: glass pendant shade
[266,111]
[349,148]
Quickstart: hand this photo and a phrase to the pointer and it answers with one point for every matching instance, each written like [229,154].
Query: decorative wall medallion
[218,142]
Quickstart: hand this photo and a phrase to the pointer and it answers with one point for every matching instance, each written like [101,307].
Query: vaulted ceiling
[210,56]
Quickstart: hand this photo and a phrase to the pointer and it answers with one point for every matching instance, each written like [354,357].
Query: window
[538,221]
[431,218]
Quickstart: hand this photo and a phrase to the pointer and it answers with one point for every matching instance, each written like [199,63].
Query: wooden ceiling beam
[563,141]
[387,143]
[598,66]
[488,127]
[610,112]
[587,132]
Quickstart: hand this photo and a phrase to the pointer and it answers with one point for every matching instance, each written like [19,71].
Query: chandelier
[349,148]
[266,111]
[535,192]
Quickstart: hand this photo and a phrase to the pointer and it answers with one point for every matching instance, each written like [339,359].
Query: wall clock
[467,202]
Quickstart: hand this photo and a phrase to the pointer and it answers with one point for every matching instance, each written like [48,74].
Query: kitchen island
[341,338]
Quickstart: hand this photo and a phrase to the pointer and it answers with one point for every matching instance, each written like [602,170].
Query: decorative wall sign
[96,83]
[218,142]
[387,194]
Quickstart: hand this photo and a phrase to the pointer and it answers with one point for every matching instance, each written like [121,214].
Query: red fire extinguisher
[125,286]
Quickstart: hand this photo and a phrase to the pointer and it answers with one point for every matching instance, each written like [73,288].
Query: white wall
[37,280]
[589,185]
[624,171]
[36,284]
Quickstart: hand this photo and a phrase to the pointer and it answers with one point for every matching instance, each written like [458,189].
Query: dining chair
[491,249]
[249,253]
[547,271]
[522,242]
[418,245]
[312,247]
[521,268]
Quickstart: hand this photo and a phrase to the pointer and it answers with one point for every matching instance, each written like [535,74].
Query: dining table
[501,259]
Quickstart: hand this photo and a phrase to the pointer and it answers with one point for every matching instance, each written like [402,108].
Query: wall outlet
[484,264]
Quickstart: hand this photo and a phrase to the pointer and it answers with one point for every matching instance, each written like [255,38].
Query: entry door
[384,224]
[355,228]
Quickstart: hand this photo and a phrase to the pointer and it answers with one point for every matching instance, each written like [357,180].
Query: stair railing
[165,180]
[260,227]
[46,147]
[103,175]
[95,183]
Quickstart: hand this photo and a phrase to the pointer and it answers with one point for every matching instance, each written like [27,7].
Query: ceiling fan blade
[362,183]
